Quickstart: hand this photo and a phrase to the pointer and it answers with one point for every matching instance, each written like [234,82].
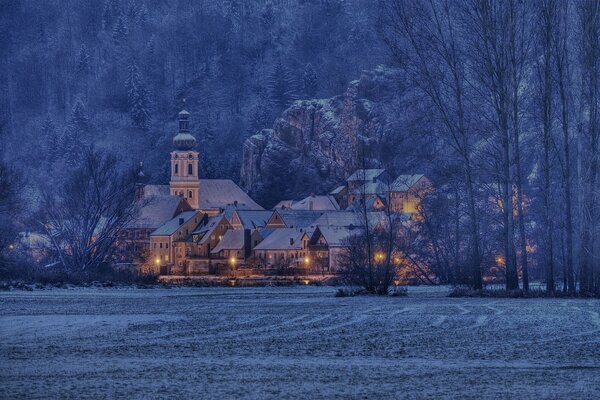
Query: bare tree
[83,217]
[423,37]
[589,14]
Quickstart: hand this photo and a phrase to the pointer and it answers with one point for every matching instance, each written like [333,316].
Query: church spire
[184,140]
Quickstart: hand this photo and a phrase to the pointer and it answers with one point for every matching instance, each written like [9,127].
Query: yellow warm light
[306,260]
[306,281]
[157,261]
[500,260]
[232,260]
[379,256]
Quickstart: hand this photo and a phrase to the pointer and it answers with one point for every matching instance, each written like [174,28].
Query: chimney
[181,221]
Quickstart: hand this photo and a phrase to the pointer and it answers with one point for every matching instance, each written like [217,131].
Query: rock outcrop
[316,144]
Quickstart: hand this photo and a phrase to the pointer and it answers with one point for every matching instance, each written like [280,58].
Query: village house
[162,240]
[283,249]
[327,246]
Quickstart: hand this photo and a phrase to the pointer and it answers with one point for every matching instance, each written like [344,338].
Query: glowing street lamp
[379,256]
[232,261]
[306,260]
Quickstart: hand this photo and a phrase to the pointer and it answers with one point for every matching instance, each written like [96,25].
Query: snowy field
[298,342]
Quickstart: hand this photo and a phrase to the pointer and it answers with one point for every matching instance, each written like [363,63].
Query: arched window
[190,169]
[190,194]
[176,169]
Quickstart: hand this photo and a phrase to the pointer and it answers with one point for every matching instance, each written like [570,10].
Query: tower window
[176,169]
[190,169]
[190,194]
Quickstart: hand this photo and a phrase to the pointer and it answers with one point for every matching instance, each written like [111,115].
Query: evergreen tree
[50,139]
[310,82]
[281,87]
[267,18]
[137,98]
[83,60]
[79,118]
[142,16]
[120,31]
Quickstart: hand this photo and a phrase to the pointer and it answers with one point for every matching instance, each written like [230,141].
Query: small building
[284,248]
[162,240]
[327,246]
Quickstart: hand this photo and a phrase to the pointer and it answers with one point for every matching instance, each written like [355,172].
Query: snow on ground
[298,342]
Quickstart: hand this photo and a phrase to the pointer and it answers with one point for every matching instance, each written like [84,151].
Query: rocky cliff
[316,144]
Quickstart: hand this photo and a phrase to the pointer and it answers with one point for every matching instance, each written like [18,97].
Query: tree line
[511,95]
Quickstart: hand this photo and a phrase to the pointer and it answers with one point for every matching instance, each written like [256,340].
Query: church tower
[184,164]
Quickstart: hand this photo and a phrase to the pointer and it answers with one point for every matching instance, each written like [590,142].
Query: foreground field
[299,342]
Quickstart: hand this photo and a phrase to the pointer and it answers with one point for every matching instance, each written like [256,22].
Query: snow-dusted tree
[137,97]
[83,60]
[50,139]
[310,81]
[120,30]
[282,87]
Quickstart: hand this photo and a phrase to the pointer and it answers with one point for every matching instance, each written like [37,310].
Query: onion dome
[184,140]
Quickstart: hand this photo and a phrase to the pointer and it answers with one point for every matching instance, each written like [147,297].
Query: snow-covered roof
[378,188]
[233,239]
[157,210]
[405,182]
[283,239]
[299,218]
[220,193]
[156,190]
[335,236]
[338,190]
[251,219]
[283,204]
[316,203]
[171,226]
[348,218]
[363,175]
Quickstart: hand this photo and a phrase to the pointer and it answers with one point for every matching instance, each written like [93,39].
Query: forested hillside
[114,73]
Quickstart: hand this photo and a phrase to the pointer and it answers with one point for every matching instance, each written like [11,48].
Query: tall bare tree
[423,37]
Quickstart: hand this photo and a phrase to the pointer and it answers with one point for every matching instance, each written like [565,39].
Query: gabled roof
[335,236]
[299,218]
[405,182]
[233,239]
[220,193]
[338,190]
[363,175]
[283,239]
[370,188]
[252,219]
[348,218]
[171,226]
[283,204]
[316,203]
[156,190]
[157,210]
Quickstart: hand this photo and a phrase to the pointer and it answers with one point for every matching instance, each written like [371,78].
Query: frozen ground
[299,342]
